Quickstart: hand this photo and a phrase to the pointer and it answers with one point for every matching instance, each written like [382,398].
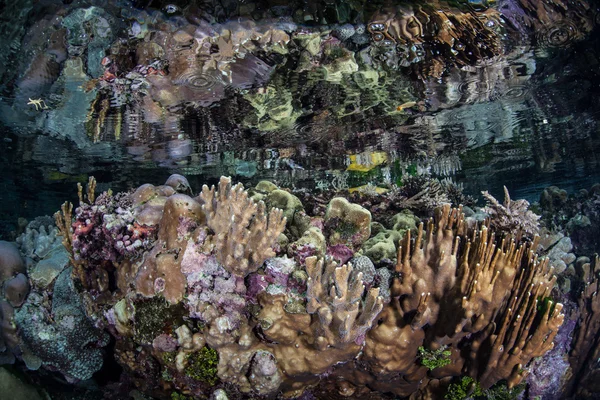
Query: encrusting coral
[200,295]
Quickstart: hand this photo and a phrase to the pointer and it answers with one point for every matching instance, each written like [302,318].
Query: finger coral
[244,234]
[487,301]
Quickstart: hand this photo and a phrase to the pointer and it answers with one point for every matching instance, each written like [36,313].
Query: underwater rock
[558,248]
[405,220]
[18,389]
[553,198]
[550,373]
[46,270]
[383,245]
[11,262]
[16,290]
[285,201]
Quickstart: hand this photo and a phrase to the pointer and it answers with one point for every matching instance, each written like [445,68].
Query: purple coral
[340,252]
[301,253]
[257,283]
[279,269]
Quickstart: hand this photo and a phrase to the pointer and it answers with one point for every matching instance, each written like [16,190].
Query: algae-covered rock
[293,210]
[265,186]
[347,223]
[285,201]
[312,243]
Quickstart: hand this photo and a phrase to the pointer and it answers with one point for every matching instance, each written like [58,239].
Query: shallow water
[525,117]
[319,96]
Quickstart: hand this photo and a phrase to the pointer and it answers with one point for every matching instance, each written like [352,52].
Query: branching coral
[244,235]
[337,302]
[480,300]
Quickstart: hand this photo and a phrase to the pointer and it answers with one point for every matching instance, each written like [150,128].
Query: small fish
[406,105]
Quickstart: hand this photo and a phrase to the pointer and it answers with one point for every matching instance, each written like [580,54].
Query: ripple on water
[196,80]
[560,34]
[474,87]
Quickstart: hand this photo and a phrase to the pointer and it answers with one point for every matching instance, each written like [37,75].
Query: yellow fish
[406,105]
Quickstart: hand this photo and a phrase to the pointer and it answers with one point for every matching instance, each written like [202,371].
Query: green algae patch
[202,365]
[467,387]
[433,359]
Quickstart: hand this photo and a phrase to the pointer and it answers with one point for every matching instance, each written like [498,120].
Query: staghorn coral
[512,216]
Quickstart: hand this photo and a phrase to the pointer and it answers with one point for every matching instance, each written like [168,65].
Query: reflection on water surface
[307,95]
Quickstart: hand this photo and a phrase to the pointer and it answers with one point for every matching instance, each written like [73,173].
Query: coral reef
[586,344]
[218,297]
[577,215]
[512,216]
[463,297]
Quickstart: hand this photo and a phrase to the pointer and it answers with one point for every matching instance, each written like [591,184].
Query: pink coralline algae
[340,253]
[212,291]
[107,231]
